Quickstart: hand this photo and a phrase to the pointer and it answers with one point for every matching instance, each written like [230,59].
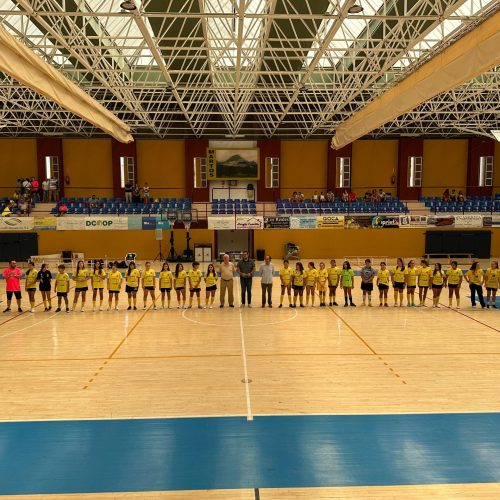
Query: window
[485,171]
[52,167]
[415,171]
[272,172]
[344,172]
[127,170]
[200,172]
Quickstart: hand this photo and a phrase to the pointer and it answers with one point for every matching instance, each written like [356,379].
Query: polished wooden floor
[251,362]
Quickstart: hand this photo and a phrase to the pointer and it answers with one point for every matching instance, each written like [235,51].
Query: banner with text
[469,220]
[441,221]
[330,221]
[70,223]
[106,223]
[148,223]
[491,221]
[249,222]
[385,222]
[221,222]
[358,221]
[16,223]
[412,221]
[45,224]
[276,222]
[303,222]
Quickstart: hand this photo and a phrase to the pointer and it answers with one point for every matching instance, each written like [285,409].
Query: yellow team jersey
[286,275]
[98,278]
[424,274]
[148,277]
[454,276]
[132,279]
[166,278]
[333,275]
[210,280]
[383,277]
[322,276]
[194,276]
[114,281]
[81,276]
[437,278]
[31,278]
[298,278]
[398,275]
[492,276]
[475,277]
[411,276]
[180,281]
[62,282]
[312,275]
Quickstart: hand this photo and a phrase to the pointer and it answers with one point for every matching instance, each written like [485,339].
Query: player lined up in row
[299,280]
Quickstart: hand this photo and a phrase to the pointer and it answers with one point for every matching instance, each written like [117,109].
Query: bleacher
[6,199]
[390,206]
[233,207]
[472,204]
[107,206]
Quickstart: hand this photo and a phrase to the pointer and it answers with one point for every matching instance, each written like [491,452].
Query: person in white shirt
[266,281]
[45,190]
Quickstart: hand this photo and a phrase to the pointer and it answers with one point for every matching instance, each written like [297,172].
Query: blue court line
[270,452]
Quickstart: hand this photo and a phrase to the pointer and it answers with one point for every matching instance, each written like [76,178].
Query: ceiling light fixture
[496,134]
[355,8]
[128,5]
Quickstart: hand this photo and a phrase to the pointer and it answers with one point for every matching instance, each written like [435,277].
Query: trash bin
[261,254]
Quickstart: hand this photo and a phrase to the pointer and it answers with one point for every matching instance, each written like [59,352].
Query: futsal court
[273,403]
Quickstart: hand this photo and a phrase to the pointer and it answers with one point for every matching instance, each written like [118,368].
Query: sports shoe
[232,305]
[82,310]
[210,307]
[32,310]
[302,305]
[129,308]
[67,309]
[19,309]
[330,304]
[178,307]
[386,305]
[281,305]
[155,308]
[58,310]
[353,304]
[335,304]
[187,307]
[249,305]
[135,308]
[7,310]
[94,309]
[221,306]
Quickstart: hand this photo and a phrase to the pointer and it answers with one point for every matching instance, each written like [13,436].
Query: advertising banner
[134,223]
[16,223]
[276,222]
[45,223]
[249,222]
[303,222]
[469,220]
[412,220]
[491,221]
[148,223]
[162,223]
[358,221]
[330,222]
[106,223]
[70,223]
[385,221]
[221,222]
[441,221]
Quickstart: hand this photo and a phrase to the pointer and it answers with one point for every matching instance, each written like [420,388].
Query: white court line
[27,327]
[246,380]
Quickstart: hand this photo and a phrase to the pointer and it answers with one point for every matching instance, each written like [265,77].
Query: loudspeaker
[159,234]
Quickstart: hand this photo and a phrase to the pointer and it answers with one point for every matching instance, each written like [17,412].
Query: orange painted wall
[445,165]
[17,159]
[303,166]
[87,162]
[373,164]
[161,164]
[115,244]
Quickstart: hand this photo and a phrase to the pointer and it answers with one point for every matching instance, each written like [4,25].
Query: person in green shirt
[347,283]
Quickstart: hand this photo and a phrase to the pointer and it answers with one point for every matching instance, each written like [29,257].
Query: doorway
[234,241]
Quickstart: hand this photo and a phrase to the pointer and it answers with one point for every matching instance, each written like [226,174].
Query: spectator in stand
[345,196]
[93,201]
[301,197]
[22,205]
[145,191]
[136,194]
[330,196]
[315,198]
[352,197]
[461,197]
[374,196]
[446,195]
[293,199]
[382,195]
[322,198]
[54,189]
[35,188]
[26,186]
[45,191]
[453,195]
[128,192]
[367,198]
[62,209]
[7,209]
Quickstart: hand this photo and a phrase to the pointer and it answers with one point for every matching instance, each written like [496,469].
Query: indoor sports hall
[249,249]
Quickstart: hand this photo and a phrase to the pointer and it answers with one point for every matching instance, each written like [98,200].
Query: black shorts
[180,287]
[17,294]
[423,286]
[398,286]
[149,288]
[437,287]
[130,289]
[111,292]
[31,289]
[62,294]
[411,287]
[367,287]
[451,285]
[82,289]
[381,286]
[44,288]
[333,286]
[298,287]
[286,286]
[165,289]
[211,288]
[489,289]
[193,290]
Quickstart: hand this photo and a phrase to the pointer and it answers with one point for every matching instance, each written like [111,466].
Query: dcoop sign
[103,224]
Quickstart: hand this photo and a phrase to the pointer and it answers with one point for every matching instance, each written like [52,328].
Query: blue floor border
[98,456]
